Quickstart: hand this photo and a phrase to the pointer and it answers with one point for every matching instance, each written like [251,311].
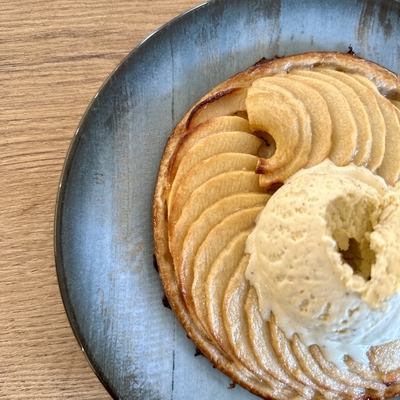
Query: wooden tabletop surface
[54,56]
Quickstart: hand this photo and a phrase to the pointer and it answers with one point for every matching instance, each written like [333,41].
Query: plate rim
[60,197]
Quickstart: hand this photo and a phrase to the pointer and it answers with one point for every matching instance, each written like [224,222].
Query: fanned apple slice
[344,132]
[202,226]
[376,121]
[275,110]
[208,193]
[223,142]
[363,370]
[234,318]
[364,136]
[317,109]
[266,180]
[216,241]
[386,360]
[241,332]
[390,167]
[368,373]
[375,387]
[207,128]
[288,360]
[216,283]
[261,342]
[207,169]
[241,339]
[238,332]
[227,102]
[312,369]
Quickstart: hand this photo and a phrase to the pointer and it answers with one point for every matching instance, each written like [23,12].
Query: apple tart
[222,163]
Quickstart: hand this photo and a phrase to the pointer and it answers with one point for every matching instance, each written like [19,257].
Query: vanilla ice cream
[325,259]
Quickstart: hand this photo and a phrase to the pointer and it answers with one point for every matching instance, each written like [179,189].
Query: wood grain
[54,55]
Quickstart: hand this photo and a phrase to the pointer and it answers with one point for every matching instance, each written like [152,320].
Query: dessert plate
[103,230]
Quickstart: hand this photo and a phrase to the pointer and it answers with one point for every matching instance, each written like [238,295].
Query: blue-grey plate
[103,232]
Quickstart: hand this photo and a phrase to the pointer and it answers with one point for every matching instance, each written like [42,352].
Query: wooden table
[54,55]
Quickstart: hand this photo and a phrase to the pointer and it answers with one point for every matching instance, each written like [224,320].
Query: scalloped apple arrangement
[233,147]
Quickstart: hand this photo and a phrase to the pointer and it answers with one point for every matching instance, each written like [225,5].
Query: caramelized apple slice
[207,169]
[376,121]
[393,389]
[321,124]
[216,241]
[274,110]
[312,369]
[228,102]
[234,318]
[207,128]
[208,193]
[224,142]
[215,286]
[361,369]
[364,141]
[346,376]
[204,224]
[283,350]
[238,332]
[344,133]
[261,342]
[385,359]
[390,167]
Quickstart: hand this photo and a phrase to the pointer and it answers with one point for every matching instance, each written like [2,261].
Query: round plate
[103,234]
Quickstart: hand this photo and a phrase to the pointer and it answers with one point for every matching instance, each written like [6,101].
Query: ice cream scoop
[325,259]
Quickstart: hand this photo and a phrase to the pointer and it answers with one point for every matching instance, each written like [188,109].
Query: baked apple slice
[223,142]
[225,103]
[275,110]
[208,193]
[390,167]
[239,328]
[288,360]
[216,241]
[234,318]
[261,342]
[312,369]
[363,129]
[321,124]
[344,133]
[375,387]
[199,229]
[376,121]
[207,128]
[215,287]
[207,169]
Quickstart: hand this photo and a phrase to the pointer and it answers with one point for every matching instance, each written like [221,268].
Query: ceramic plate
[104,244]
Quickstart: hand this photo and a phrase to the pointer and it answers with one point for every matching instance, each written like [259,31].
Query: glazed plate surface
[103,235]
